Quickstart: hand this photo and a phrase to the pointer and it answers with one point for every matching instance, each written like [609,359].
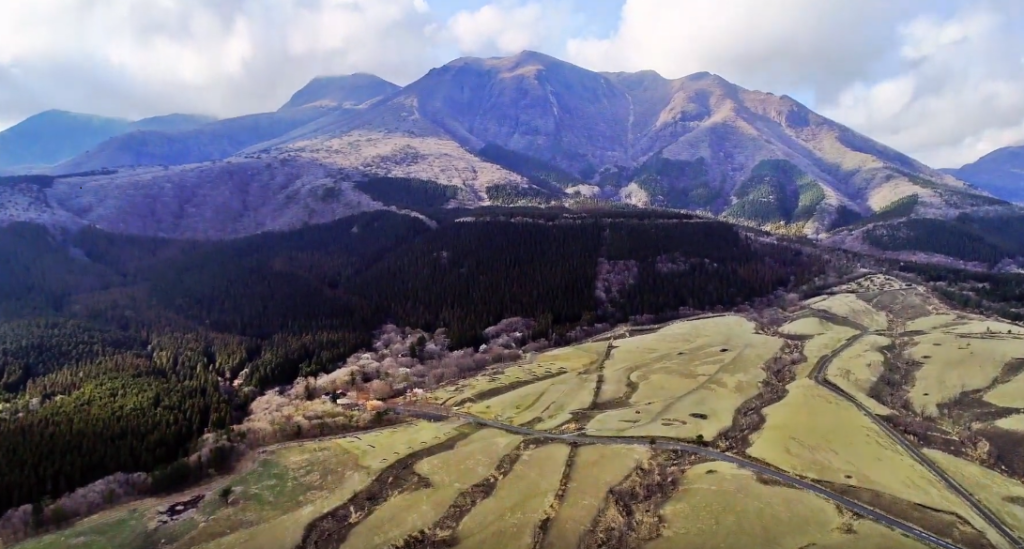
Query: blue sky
[942,80]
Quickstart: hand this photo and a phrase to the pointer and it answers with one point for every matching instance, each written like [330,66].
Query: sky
[942,80]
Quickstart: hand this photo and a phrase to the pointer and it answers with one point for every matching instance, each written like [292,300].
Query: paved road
[819,375]
[850,504]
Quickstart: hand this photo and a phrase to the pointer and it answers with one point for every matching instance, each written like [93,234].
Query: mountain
[52,136]
[696,142]
[1000,172]
[224,138]
[341,91]
[171,122]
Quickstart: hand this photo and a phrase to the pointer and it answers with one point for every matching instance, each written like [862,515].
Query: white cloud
[145,57]
[966,82]
[501,28]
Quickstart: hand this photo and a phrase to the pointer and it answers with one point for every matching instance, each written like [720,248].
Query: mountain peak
[346,90]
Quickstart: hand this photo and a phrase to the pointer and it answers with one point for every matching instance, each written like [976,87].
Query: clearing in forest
[545,365]
[961,358]
[848,306]
[815,434]
[857,368]
[689,378]
[449,473]
[509,517]
[721,505]
[595,470]
[826,337]
[1000,494]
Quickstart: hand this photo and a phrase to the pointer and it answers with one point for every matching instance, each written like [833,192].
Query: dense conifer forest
[117,353]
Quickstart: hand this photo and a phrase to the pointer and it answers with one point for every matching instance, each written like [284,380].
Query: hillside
[1000,172]
[608,129]
[852,413]
[350,90]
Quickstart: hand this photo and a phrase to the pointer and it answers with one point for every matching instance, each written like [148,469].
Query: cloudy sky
[942,80]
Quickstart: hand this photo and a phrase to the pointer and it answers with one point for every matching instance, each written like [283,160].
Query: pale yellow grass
[595,470]
[719,505]
[821,345]
[1002,495]
[1011,394]
[568,359]
[928,323]
[857,367]
[816,434]
[508,518]
[851,308]
[450,473]
[691,378]
[379,449]
[551,400]
[807,326]
[1012,423]
[957,359]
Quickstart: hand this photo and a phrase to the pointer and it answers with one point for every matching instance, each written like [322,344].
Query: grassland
[1002,495]
[1012,423]
[689,378]
[825,337]
[962,357]
[849,307]
[595,470]
[566,360]
[270,504]
[1010,394]
[549,402]
[816,434]
[449,473]
[508,519]
[930,322]
[857,368]
[720,505]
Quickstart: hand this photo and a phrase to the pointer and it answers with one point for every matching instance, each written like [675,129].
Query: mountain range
[524,129]
[1000,172]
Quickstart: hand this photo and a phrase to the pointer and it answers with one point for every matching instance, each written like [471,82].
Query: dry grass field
[449,473]
[1012,423]
[595,470]
[1002,495]
[825,337]
[689,378]
[858,367]
[816,434]
[567,359]
[549,401]
[931,322]
[962,356]
[719,505]
[508,518]
[848,306]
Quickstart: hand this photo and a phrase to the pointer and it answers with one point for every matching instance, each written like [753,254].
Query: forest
[117,352]
[976,238]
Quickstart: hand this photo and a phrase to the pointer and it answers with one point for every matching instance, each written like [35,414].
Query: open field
[816,434]
[595,470]
[858,367]
[825,337]
[270,503]
[508,518]
[549,401]
[1002,495]
[1012,423]
[721,505]
[961,357]
[690,378]
[449,473]
[848,306]
[566,359]
[931,322]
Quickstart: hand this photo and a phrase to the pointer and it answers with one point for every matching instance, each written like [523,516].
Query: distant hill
[341,91]
[171,122]
[52,136]
[1000,172]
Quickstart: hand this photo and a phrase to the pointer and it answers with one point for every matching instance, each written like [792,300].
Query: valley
[560,450]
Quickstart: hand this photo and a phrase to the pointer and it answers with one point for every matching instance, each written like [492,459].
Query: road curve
[850,504]
[819,374]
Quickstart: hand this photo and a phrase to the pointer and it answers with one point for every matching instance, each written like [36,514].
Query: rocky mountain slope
[224,138]
[1000,172]
[525,129]
[53,136]
[697,142]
